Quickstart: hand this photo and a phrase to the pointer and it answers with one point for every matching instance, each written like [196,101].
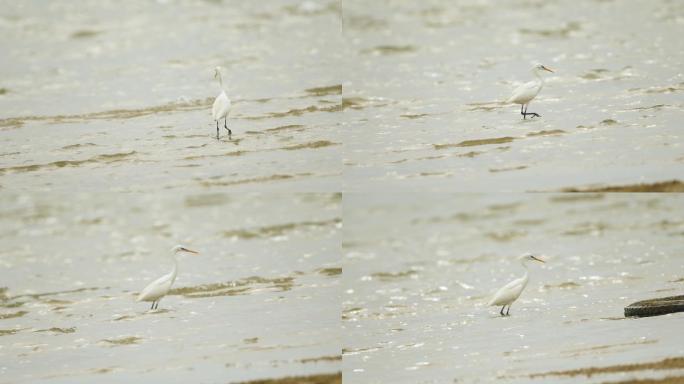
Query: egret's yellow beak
[546,69]
[539,260]
[189,251]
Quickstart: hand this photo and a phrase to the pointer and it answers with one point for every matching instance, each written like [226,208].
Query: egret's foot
[523,111]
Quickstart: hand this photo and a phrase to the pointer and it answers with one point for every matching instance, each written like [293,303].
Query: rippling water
[117,95]
[422,101]
[240,310]
[414,307]
[108,158]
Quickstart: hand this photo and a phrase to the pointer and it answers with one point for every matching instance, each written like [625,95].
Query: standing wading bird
[221,106]
[160,287]
[524,94]
[511,291]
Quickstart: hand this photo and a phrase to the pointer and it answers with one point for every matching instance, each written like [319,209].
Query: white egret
[160,287]
[524,94]
[511,291]
[221,106]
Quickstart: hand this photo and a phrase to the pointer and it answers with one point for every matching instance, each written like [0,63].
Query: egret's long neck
[174,270]
[526,276]
[220,80]
[539,76]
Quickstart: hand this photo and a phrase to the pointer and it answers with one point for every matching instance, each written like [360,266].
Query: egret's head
[180,248]
[541,67]
[530,257]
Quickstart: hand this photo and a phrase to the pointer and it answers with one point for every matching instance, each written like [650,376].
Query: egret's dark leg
[521,110]
[509,309]
[152,307]
[530,113]
[225,125]
[502,308]
[217,130]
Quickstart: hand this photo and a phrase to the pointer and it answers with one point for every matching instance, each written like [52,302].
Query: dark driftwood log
[655,307]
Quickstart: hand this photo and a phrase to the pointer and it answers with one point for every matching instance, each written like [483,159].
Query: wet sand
[667,364]
[666,186]
[317,379]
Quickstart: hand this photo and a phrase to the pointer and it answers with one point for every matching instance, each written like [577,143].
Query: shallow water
[421,102]
[108,157]
[240,310]
[414,306]
[118,96]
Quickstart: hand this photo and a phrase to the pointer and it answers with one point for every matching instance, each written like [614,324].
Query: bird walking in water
[221,107]
[511,291]
[160,287]
[524,94]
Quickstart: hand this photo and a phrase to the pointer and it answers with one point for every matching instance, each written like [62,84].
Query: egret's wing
[508,292]
[221,106]
[524,92]
[156,288]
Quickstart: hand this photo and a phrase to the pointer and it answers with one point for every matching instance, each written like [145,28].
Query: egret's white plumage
[221,107]
[160,287]
[510,292]
[524,94]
